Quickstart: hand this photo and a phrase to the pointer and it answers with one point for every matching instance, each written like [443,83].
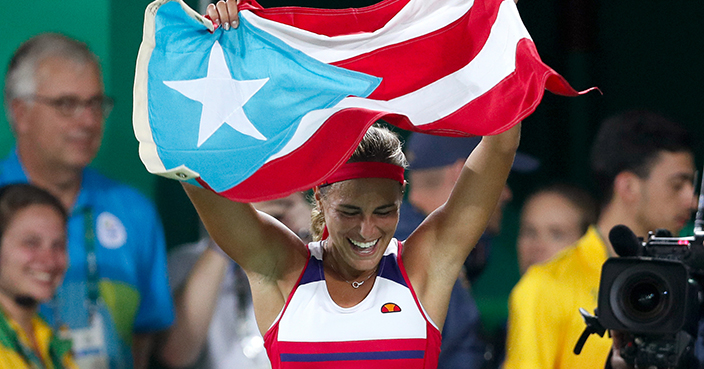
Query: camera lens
[645,297]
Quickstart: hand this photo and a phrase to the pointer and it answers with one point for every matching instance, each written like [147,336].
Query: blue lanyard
[92,277]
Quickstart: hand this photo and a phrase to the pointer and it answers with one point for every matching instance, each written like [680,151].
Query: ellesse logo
[390,307]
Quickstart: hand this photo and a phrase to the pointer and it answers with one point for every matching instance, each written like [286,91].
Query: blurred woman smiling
[33,261]
[553,218]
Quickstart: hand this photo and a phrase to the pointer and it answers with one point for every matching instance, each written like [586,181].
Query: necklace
[354,284]
[357,284]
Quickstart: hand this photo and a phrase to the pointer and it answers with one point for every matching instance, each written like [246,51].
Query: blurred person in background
[552,218]
[33,261]
[115,295]
[435,163]
[215,326]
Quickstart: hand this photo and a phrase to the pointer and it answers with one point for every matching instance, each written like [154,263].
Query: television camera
[652,295]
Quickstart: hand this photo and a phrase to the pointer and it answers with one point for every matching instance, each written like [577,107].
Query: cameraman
[616,361]
[644,167]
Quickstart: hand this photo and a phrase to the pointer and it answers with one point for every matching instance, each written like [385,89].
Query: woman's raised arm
[435,252]
[260,244]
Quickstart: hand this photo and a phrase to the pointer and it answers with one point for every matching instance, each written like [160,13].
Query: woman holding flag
[358,297]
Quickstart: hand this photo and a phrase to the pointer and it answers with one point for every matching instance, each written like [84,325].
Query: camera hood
[646,296]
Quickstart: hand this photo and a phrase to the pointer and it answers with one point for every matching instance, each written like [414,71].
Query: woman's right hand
[224,14]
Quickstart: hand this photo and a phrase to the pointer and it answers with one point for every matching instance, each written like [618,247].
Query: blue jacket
[130,250]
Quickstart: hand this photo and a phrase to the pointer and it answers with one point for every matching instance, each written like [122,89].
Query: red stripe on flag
[509,102]
[323,153]
[506,104]
[408,66]
[404,67]
[330,22]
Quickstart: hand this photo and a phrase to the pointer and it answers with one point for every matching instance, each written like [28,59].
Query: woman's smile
[364,249]
[361,216]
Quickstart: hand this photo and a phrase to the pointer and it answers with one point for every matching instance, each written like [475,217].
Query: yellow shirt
[11,359]
[544,320]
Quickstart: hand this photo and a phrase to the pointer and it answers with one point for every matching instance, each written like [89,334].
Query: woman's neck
[344,273]
[343,270]
[346,292]
[22,315]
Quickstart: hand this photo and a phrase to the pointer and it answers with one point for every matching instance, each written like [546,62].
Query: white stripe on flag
[148,150]
[417,18]
[493,63]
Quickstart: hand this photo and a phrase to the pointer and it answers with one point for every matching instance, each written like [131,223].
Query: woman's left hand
[224,13]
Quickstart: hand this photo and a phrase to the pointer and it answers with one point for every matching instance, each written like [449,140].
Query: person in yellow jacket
[33,261]
[644,167]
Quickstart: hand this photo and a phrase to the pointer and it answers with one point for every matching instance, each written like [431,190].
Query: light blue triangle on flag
[294,84]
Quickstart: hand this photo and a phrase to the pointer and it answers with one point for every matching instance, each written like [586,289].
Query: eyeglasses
[73,106]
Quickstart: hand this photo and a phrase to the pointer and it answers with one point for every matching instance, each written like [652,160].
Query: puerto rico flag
[278,104]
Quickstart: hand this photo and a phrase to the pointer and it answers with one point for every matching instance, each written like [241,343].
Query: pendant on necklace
[356,284]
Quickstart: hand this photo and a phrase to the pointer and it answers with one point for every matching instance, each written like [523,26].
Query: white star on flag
[222,97]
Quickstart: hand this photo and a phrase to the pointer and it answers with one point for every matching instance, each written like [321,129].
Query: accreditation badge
[89,348]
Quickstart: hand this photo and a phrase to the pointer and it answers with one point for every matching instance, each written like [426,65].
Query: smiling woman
[357,297]
[357,209]
[325,304]
[33,261]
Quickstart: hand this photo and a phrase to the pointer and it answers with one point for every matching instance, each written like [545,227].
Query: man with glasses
[115,295]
